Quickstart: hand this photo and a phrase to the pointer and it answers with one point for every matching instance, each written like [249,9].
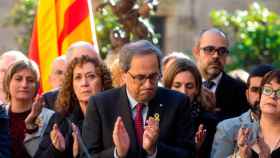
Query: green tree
[255,32]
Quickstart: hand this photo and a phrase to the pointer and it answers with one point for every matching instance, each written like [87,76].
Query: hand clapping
[200,136]
[242,142]
[75,135]
[57,138]
[121,138]
[150,136]
[36,109]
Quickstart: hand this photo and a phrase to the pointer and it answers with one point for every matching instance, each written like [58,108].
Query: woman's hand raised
[36,109]
[57,138]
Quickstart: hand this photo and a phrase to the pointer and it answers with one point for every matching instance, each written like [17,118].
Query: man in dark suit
[115,125]
[210,52]
[75,50]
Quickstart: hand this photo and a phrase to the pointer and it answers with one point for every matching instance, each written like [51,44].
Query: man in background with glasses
[227,130]
[140,119]
[210,52]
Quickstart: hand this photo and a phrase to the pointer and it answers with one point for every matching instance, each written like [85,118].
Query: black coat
[50,98]
[4,134]
[176,131]
[231,97]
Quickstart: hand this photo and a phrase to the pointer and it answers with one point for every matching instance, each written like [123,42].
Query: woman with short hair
[267,143]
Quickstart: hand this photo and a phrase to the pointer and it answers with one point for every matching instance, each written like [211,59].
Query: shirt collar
[216,80]
[253,117]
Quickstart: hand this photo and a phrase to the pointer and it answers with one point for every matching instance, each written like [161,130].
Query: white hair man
[7,59]
[57,72]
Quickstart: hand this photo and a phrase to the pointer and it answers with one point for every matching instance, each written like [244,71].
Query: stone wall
[7,35]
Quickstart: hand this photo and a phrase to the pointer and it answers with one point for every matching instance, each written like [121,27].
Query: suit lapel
[221,89]
[125,113]
[155,107]
[221,85]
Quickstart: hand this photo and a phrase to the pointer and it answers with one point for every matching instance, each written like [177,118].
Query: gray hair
[15,54]
[174,55]
[78,45]
[215,30]
[141,47]
[60,58]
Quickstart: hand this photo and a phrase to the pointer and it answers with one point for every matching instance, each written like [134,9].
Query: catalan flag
[57,25]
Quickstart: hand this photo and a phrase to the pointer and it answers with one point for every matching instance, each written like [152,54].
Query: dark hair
[141,47]
[272,75]
[16,67]
[180,65]
[66,96]
[259,71]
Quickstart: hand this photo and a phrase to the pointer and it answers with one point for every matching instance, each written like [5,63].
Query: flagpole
[92,25]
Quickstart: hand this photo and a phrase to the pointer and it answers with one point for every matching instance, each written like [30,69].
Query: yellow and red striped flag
[57,25]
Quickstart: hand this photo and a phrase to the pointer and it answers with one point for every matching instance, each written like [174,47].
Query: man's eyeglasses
[269,91]
[142,78]
[256,89]
[210,50]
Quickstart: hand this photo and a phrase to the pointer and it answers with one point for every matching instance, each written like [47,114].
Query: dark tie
[139,123]
[208,84]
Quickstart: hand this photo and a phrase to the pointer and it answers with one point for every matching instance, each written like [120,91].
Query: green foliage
[22,16]
[105,21]
[255,32]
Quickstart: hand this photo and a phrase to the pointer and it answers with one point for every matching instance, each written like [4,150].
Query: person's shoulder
[3,112]
[108,96]
[169,93]
[50,98]
[170,96]
[231,81]
[56,117]
[109,93]
[53,92]
[230,123]
[234,85]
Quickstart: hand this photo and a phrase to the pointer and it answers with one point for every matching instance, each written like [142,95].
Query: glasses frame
[275,92]
[141,79]
[255,89]
[218,50]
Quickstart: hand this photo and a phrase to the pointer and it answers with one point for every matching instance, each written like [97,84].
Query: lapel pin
[156,117]
[160,105]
